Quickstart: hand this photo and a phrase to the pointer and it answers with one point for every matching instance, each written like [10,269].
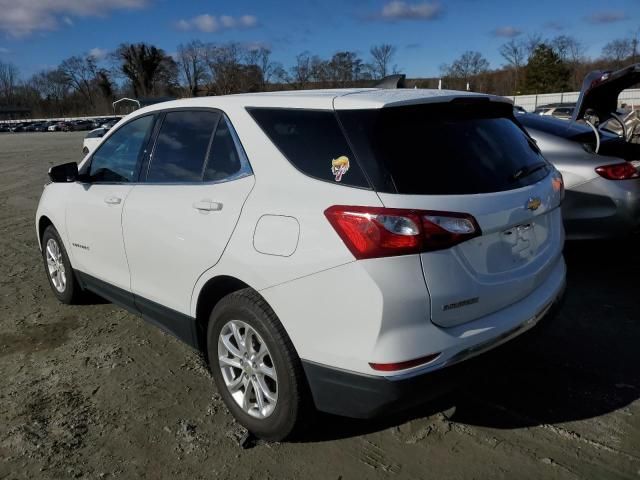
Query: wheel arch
[43,223]
[214,290]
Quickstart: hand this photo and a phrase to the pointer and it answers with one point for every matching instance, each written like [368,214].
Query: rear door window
[444,149]
[182,146]
[313,142]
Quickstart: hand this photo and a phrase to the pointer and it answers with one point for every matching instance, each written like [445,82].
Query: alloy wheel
[55,265]
[247,369]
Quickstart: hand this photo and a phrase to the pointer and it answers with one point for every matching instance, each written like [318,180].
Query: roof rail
[392,81]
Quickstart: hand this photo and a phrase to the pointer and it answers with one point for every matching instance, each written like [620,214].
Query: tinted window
[224,159]
[182,146]
[117,158]
[563,111]
[444,149]
[313,142]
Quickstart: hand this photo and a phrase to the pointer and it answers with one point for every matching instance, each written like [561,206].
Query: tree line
[537,65]
[88,84]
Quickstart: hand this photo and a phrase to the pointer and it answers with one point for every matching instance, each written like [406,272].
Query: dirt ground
[92,391]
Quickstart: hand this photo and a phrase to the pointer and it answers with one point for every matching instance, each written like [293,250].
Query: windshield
[444,149]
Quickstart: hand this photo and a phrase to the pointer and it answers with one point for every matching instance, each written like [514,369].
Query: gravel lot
[94,392]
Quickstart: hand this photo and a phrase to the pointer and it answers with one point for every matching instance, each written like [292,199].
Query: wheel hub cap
[55,265]
[247,369]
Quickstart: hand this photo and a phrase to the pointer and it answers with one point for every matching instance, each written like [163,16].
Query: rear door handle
[113,200]
[207,206]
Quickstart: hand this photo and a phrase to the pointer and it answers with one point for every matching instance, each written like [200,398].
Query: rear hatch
[467,156]
[600,91]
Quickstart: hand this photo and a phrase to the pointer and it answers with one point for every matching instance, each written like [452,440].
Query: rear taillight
[372,232]
[618,171]
[557,183]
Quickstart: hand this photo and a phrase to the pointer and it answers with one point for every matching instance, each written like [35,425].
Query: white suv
[333,246]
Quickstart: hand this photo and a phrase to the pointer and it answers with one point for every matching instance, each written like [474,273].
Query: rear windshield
[452,148]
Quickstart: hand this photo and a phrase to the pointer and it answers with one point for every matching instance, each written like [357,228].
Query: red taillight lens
[392,367]
[557,183]
[372,232]
[618,171]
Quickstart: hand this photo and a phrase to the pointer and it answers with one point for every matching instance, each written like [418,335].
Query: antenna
[392,81]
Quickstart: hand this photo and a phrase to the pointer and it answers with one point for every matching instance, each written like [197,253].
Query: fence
[530,102]
[56,119]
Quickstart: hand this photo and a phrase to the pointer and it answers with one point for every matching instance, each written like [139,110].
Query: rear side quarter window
[313,142]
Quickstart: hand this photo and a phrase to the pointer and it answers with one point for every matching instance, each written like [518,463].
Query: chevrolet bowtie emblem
[533,203]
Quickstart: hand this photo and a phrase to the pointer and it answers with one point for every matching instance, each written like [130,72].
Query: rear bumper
[365,396]
[357,395]
[602,208]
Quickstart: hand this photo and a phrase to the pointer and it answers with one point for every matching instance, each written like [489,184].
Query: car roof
[556,105]
[348,98]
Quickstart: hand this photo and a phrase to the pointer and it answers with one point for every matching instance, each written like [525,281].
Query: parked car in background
[559,110]
[110,123]
[314,244]
[601,169]
[40,127]
[92,140]
[80,125]
[18,127]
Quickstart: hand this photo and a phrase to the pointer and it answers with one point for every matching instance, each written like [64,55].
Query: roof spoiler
[392,81]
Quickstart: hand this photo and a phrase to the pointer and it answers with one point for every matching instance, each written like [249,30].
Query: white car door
[177,222]
[94,207]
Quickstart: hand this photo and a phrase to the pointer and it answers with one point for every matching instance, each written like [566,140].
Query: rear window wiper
[527,170]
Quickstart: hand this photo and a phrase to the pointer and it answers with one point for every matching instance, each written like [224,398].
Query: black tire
[72,292]
[292,407]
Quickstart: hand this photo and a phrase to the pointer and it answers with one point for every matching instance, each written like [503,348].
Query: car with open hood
[598,154]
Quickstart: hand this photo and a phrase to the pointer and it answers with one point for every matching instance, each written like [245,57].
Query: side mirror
[67,172]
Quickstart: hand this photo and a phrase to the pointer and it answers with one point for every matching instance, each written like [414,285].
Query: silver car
[601,169]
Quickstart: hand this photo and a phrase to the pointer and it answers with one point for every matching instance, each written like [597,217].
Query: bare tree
[344,68]
[192,64]
[619,50]
[52,87]
[8,81]
[532,42]
[105,85]
[568,48]
[224,62]
[150,71]
[81,72]
[301,70]
[469,65]
[571,51]
[261,57]
[515,53]
[381,57]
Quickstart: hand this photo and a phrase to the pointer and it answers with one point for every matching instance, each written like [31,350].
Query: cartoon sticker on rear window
[339,166]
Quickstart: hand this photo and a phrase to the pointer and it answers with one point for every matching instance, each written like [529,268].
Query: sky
[39,34]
